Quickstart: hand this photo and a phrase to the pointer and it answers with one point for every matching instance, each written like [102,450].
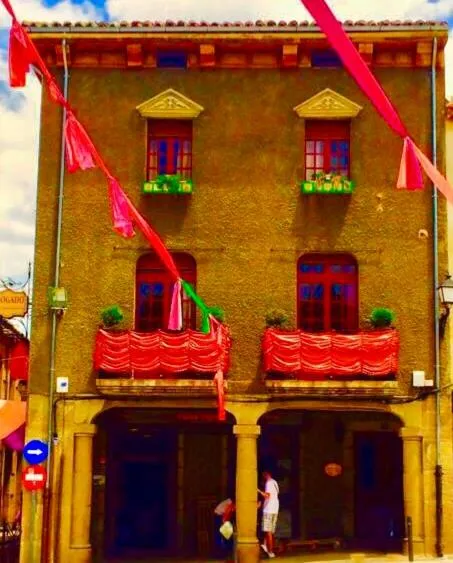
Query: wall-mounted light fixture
[446,299]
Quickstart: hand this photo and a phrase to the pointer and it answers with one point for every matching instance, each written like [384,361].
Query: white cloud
[34,10]
[19,134]
[234,10]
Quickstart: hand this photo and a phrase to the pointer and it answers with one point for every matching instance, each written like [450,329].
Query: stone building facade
[251,114]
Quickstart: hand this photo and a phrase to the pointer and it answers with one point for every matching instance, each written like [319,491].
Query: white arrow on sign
[35,452]
[34,477]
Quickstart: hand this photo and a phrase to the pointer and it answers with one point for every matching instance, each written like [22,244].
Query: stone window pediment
[328,105]
[169,104]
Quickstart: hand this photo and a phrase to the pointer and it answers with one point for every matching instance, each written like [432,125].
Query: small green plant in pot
[276,318]
[112,316]
[382,318]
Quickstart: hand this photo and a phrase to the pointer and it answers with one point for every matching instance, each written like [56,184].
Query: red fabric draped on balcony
[371,353]
[143,354]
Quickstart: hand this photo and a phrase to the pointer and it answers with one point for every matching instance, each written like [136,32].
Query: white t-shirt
[221,508]
[271,504]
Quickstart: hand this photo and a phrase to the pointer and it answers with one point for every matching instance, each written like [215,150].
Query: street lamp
[446,298]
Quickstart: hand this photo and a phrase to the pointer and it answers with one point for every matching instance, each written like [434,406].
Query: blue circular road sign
[35,451]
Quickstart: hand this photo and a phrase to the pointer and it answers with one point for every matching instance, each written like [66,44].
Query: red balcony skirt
[160,352]
[309,355]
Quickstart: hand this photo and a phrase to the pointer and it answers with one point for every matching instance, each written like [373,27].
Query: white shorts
[269,522]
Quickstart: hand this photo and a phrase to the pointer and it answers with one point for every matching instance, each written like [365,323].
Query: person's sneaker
[264,548]
[271,554]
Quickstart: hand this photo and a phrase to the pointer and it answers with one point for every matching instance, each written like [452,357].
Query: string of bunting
[81,154]
[413,159]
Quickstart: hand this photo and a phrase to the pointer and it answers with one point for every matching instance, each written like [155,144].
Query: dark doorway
[142,521]
[379,511]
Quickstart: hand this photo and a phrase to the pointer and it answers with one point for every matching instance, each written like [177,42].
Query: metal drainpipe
[438,469]
[47,551]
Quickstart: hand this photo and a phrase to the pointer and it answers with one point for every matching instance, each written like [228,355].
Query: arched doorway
[158,474]
[340,476]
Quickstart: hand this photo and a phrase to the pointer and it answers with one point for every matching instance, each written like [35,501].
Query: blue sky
[19,109]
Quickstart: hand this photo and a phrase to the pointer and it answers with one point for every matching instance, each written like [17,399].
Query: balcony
[331,363]
[129,362]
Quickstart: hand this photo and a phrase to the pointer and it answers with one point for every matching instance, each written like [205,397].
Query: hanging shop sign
[13,303]
[333,469]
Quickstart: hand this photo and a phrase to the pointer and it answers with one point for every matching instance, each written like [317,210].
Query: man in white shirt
[270,512]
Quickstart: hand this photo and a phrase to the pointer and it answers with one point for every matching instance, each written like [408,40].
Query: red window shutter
[169,148]
[327,147]
[154,290]
[327,293]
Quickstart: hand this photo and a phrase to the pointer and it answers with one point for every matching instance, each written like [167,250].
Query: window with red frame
[327,147]
[327,293]
[154,290]
[169,148]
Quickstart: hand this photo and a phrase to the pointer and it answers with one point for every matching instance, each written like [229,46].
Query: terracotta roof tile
[247,24]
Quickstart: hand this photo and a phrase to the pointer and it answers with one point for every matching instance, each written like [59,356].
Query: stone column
[413,484]
[246,492]
[80,545]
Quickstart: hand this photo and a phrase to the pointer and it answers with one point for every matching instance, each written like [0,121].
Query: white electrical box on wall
[418,378]
[62,385]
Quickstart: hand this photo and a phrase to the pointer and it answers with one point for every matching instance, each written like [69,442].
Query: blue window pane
[145,289]
[325,58]
[334,146]
[162,157]
[334,161]
[167,59]
[343,161]
[157,289]
[312,268]
[344,146]
[311,292]
[337,290]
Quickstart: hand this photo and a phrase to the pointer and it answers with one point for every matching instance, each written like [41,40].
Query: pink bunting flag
[20,56]
[9,8]
[175,318]
[79,148]
[122,222]
[217,330]
[433,174]
[410,175]
[154,240]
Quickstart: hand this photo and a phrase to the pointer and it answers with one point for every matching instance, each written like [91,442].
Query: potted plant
[111,316]
[168,184]
[277,318]
[382,317]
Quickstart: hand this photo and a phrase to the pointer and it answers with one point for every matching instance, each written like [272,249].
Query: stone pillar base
[80,554]
[418,544]
[248,552]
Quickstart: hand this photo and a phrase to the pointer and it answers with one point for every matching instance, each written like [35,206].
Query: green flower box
[327,185]
[168,185]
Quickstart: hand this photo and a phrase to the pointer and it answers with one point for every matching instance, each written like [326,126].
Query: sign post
[35,451]
[33,479]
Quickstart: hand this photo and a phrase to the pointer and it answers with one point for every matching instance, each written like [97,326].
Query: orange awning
[12,416]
